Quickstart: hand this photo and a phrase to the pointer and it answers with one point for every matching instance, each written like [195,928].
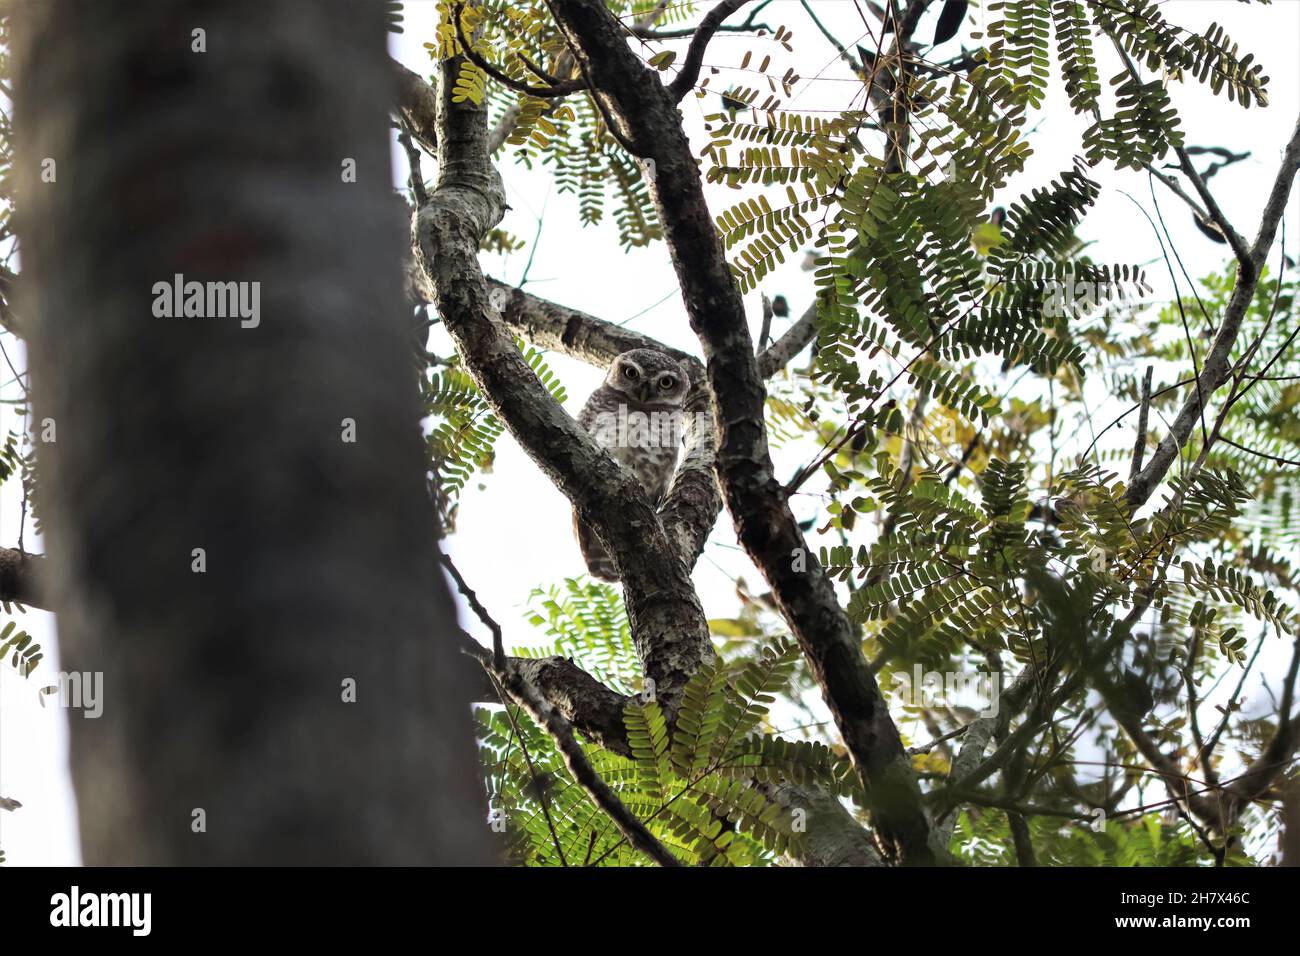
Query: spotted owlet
[635,416]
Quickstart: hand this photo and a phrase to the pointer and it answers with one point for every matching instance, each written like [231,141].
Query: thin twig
[1234,238]
[643,29]
[416,179]
[926,748]
[1217,364]
[1178,300]
[498,649]
[1140,446]
[1229,157]
[767,326]
[685,80]
[532,770]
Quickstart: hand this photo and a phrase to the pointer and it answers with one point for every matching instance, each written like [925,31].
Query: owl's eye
[629,372]
[667,383]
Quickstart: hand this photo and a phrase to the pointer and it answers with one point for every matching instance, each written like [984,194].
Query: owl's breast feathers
[644,438]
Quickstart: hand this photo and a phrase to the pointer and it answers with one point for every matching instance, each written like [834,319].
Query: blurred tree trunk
[224,687]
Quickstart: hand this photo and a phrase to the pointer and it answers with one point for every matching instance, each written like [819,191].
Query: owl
[636,416]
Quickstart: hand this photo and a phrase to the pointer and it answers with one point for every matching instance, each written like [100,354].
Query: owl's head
[649,377]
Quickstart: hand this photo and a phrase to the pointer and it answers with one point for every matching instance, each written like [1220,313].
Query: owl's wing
[590,411]
[593,552]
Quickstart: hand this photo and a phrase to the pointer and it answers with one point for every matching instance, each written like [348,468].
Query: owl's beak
[647,392]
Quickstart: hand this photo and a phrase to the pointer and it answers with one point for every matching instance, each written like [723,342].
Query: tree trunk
[225,670]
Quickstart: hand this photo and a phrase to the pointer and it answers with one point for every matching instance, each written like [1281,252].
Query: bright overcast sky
[517,533]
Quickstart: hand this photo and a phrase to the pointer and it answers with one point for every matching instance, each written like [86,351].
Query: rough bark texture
[223,689]
[575,333]
[831,836]
[592,708]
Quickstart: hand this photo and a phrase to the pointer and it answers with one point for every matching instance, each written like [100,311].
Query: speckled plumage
[635,416]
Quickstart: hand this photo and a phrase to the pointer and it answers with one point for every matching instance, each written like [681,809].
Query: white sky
[517,533]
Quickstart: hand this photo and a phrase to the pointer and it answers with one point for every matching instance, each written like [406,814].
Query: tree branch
[1175,780]
[453,283]
[20,578]
[961,774]
[1259,776]
[1140,444]
[570,331]
[1212,211]
[498,649]
[644,29]
[690,72]
[832,837]
[416,103]
[599,791]
[1215,371]
[593,709]
[778,355]
[667,620]
[1235,239]
[764,523]
[894,71]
